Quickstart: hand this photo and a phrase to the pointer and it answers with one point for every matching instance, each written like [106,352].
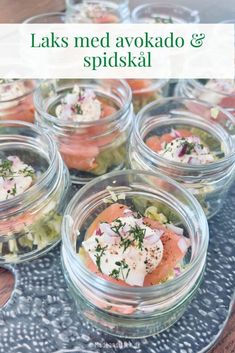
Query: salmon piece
[172,254]
[109,18]
[198,109]
[24,111]
[228,102]
[108,215]
[107,110]
[141,88]
[17,224]
[154,143]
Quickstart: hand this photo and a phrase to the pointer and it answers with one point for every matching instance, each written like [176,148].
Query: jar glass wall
[98,11]
[132,311]
[33,192]
[145,91]
[16,100]
[157,128]
[164,13]
[217,92]
[95,142]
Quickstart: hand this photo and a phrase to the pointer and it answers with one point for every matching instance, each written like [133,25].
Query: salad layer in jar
[133,251]
[96,11]
[33,187]
[196,152]
[16,99]
[91,126]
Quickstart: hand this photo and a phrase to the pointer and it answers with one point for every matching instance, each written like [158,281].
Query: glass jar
[16,100]
[211,91]
[132,312]
[89,148]
[98,11]
[209,182]
[146,91]
[30,222]
[164,13]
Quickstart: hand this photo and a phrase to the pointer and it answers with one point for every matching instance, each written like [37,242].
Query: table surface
[13,11]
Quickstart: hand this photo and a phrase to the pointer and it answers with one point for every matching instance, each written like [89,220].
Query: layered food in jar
[198,153]
[91,122]
[127,249]
[96,11]
[164,13]
[34,184]
[214,91]
[16,99]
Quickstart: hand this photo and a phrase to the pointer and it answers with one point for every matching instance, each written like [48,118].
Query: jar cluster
[152,161]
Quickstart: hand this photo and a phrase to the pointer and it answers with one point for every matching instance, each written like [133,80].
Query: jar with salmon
[91,121]
[171,136]
[164,13]
[34,184]
[16,99]
[145,91]
[133,253]
[214,91]
[97,11]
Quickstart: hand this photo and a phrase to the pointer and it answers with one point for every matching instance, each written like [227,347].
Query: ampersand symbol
[197,40]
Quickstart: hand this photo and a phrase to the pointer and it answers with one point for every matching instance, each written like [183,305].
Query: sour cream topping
[126,249]
[10,90]
[15,177]
[80,105]
[189,150]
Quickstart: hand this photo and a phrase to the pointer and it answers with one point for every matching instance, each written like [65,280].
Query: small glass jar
[49,17]
[30,222]
[210,91]
[164,13]
[210,182]
[98,11]
[89,148]
[16,100]
[146,91]
[132,312]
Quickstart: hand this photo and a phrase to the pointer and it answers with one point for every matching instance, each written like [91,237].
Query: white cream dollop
[121,254]
[9,91]
[15,177]
[189,150]
[80,105]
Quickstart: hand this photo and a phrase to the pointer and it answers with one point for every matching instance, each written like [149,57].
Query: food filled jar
[16,99]
[91,122]
[170,136]
[164,13]
[34,184]
[98,11]
[133,253]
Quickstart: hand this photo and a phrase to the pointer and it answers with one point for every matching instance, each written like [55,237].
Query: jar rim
[66,242]
[30,20]
[81,124]
[168,5]
[199,85]
[157,83]
[46,175]
[178,165]
[22,95]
